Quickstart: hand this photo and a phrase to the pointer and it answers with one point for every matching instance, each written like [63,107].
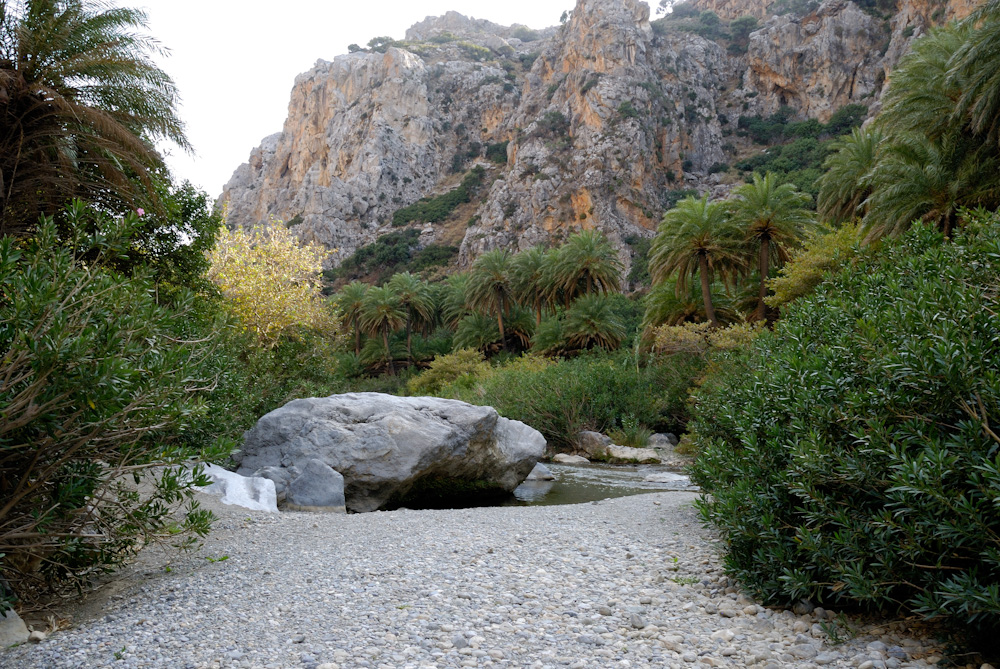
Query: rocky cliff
[590,124]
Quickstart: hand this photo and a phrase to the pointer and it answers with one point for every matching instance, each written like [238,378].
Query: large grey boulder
[593,444]
[396,450]
[317,488]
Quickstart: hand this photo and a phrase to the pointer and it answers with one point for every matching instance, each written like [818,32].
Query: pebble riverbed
[627,582]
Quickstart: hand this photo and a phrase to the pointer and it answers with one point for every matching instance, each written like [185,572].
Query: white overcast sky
[235,62]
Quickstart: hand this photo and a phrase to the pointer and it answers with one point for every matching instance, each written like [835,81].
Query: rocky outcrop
[727,10]
[607,120]
[602,117]
[393,451]
[818,63]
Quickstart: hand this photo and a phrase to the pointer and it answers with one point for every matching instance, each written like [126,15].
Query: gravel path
[629,582]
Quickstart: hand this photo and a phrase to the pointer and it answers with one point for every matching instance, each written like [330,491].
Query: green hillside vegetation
[437,208]
[797,149]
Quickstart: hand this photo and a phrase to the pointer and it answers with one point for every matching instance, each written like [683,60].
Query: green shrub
[497,153]
[849,457]
[459,368]
[591,392]
[438,208]
[99,384]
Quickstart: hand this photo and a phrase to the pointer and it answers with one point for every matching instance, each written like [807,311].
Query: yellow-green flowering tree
[271,282]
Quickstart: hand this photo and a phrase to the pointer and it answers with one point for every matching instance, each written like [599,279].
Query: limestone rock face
[818,63]
[602,117]
[727,10]
[609,114]
[391,450]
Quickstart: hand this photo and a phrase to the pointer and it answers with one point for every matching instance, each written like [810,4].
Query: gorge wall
[600,119]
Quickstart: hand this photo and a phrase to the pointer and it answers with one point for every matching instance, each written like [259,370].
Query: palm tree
[590,322]
[930,181]
[773,218]
[350,300]
[478,331]
[381,314]
[415,297]
[529,286]
[451,298]
[587,263]
[923,89]
[81,105]
[696,237]
[845,184]
[665,306]
[490,289]
[976,67]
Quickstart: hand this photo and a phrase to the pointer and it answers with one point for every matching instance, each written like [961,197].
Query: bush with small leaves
[458,368]
[98,383]
[850,457]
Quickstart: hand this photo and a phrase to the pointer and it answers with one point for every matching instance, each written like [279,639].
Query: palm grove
[138,331]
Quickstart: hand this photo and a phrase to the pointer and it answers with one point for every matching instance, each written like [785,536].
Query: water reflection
[576,484]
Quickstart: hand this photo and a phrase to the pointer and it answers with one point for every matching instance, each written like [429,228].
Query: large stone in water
[396,451]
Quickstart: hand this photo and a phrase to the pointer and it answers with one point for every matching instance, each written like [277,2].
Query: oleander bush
[98,384]
[851,456]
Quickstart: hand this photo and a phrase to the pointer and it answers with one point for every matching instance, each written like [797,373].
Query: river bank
[627,582]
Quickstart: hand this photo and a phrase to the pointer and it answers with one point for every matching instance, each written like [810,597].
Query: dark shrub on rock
[851,456]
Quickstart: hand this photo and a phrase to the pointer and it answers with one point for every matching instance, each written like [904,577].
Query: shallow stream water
[576,484]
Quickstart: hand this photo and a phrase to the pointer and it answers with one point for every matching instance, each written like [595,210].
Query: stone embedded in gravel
[36,636]
[249,492]
[12,629]
[802,607]
[318,488]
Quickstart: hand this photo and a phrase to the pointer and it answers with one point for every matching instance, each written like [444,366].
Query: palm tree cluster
[81,105]
[934,149]
[723,242]
[505,302]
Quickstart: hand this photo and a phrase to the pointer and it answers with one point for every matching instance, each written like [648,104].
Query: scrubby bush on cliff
[98,384]
[851,456]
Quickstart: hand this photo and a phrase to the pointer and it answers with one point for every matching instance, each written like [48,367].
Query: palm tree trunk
[409,348]
[357,338]
[706,291]
[538,311]
[388,353]
[949,224]
[503,335]
[765,256]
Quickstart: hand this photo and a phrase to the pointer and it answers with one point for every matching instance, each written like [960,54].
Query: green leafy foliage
[801,147]
[100,382]
[849,457]
[589,392]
